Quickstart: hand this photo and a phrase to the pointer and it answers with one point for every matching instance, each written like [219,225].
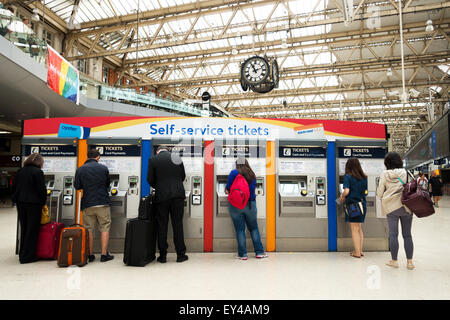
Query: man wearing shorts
[93,178]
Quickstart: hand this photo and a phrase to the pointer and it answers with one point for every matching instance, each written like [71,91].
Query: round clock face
[255,70]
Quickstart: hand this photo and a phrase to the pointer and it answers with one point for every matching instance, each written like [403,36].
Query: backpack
[239,192]
[423,183]
[416,199]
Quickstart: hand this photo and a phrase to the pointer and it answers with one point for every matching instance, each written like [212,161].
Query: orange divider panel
[82,157]
[271,194]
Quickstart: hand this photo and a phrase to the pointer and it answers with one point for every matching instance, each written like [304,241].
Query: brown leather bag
[74,246]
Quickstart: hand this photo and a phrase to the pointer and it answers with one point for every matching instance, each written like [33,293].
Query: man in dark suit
[166,175]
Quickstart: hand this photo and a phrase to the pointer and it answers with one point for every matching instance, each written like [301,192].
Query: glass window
[105,74]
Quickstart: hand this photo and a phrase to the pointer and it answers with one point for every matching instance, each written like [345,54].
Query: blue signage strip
[114,150]
[52,150]
[362,152]
[71,131]
[332,194]
[302,152]
[146,154]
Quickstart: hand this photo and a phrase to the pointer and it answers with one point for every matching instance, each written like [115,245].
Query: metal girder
[322,70]
[325,90]
[235,34]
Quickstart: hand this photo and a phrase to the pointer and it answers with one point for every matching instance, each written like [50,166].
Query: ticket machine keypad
[133,185]
[196,190]
[259,188]
[320,191]
[68,191]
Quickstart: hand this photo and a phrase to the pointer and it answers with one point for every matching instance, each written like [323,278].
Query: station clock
[255,70]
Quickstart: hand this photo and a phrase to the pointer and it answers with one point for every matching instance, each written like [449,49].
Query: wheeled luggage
[48,241]
[74,246]
[140,242]
[140,236]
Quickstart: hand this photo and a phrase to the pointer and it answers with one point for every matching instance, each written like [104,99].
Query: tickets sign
[51,150]
[302,152]
[362,152]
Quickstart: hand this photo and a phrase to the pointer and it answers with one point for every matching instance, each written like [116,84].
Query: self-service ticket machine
[191,153]
[60,164]
[225,155]
[371,156]
[122,157]
[302,202]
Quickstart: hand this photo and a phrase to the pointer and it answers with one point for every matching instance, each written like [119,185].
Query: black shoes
[182,258]
[91,258]
[162,259]
[106,257]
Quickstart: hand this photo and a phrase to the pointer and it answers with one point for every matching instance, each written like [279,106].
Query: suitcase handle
[77,224]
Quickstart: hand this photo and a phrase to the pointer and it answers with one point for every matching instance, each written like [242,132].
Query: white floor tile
[219,276]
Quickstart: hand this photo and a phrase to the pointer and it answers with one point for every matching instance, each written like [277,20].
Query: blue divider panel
[146,154]
[332,194]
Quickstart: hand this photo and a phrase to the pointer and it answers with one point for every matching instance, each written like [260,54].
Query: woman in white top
[390,192]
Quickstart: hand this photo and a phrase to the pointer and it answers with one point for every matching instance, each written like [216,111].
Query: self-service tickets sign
[222,129]
[62,77]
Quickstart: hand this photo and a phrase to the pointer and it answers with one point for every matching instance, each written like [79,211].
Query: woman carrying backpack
[390,190]
[422,181]
[247,215]
[354,196]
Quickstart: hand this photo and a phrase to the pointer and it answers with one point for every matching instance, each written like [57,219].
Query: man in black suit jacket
[166,175]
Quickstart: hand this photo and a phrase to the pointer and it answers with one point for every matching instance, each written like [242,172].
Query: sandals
[355,256]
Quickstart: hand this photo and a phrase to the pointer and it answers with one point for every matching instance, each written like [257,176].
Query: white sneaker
[262,256]
[241,258]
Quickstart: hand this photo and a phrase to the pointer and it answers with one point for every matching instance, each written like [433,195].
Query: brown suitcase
[74,246]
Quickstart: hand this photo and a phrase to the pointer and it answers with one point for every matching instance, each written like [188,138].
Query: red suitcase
[48,241]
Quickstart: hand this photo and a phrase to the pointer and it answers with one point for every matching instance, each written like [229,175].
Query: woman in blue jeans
[246,216]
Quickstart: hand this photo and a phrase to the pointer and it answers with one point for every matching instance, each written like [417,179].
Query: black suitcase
[140,235]
[140,242]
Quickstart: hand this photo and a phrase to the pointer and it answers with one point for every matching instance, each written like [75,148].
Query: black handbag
[146,207]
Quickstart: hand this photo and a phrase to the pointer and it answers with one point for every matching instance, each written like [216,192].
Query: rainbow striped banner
[62,77]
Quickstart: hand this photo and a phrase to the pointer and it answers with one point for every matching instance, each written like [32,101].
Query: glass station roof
[212,44]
